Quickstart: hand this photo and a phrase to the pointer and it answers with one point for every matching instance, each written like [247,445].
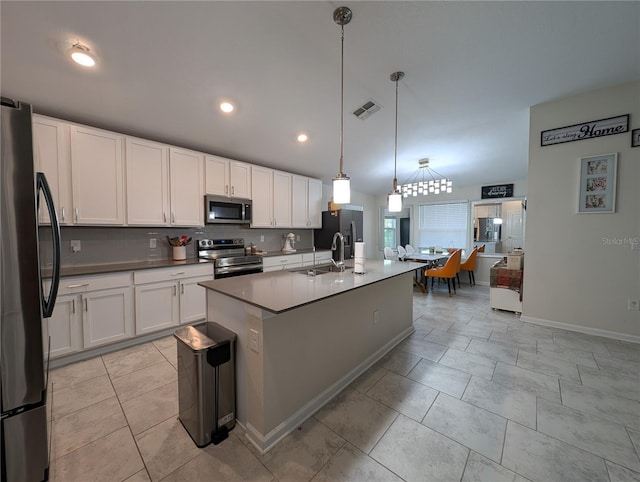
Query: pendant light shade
[394,199]
[342,182]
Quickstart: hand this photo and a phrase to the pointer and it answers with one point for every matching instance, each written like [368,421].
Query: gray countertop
[280,291]
[82,270]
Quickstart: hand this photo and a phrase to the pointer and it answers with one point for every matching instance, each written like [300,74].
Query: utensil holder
[179,253]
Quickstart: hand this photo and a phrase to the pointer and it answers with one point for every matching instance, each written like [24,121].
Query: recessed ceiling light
[82,55]
[226,107]
[302,137]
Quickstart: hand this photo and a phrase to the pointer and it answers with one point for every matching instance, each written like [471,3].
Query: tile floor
[472,395]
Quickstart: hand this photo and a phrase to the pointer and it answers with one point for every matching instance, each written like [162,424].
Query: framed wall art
[635,138]
[598,184]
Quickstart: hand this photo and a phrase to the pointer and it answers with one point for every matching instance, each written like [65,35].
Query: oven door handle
[235,269]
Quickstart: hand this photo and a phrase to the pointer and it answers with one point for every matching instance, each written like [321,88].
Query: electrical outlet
[376,317]
[297,237]
[254,340]
[262,238]
[634,305]
[75,245]
[152,243]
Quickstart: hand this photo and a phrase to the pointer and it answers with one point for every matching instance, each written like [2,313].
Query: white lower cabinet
[90,311]
[288,261]
[168,297]
[107,316]
[321,257]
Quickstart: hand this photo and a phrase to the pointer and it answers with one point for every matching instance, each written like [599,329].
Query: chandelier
[423,182]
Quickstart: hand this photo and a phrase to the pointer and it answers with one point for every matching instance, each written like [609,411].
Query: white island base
[291,363]
[505,299]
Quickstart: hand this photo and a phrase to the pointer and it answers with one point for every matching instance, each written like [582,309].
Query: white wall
[572,275]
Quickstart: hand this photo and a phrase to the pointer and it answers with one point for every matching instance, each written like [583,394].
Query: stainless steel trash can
[206,361]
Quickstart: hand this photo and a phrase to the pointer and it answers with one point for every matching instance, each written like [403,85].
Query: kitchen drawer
[82,284]
[322,257]
[171,273]
[285,260]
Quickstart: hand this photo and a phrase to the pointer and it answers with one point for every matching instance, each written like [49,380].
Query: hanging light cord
[341,97]
[395,148]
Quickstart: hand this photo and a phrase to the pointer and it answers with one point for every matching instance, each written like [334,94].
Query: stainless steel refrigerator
[24,302]
[348,221]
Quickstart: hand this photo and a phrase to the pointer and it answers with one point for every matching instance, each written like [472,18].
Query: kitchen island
[302,339]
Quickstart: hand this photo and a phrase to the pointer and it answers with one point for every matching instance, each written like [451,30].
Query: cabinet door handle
[177,273]
[73,306]
[173,217]
[77,210]
[232,191]
[174,290]
[86,305]
[79,285]
[62,214]
[181,288]
[164,217]
[226,189]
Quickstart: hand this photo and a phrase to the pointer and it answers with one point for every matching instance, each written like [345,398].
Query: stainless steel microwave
[223,210]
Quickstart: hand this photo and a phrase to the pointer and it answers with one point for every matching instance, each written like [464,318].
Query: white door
[187,187]
[281,199]
[315,203]
[262,197]
[64,326]
[513,231]
[51,153]
[240,179]
[299,202]
[193,300]
[156,306]
[147,173]
[107,316]
[96,171]
[217,175]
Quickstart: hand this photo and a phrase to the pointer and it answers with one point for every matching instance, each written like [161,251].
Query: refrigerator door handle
[49,302]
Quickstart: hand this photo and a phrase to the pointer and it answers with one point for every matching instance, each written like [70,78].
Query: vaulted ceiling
[473,69]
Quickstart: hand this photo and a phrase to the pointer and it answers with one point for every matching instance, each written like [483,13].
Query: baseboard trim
[263,443]
[581,329]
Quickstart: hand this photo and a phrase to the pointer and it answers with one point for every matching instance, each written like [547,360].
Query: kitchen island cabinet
[302,339]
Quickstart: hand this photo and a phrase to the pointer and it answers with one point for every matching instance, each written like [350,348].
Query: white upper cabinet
[315,203]
[97,176]
[281,199]
[306,202]
[147,170]
[226,177]
[271,195]
[51,153]
[186,180]
[262,197]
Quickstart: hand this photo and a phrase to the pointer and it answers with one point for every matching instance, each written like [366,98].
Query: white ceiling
[473,69]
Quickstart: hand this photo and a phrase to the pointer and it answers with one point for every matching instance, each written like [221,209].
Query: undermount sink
[320,269]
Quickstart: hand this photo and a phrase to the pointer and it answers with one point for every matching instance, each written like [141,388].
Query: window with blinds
[443,225]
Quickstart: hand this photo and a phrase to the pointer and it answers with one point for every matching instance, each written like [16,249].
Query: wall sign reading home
[499,191]
[586,130]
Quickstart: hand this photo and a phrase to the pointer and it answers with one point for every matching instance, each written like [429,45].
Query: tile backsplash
[105,245]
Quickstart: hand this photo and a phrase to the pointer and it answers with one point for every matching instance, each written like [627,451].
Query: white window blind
[443,225]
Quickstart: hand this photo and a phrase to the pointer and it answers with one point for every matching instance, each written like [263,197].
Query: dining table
[431,259]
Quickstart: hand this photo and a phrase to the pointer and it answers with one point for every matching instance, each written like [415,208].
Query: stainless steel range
[229,257]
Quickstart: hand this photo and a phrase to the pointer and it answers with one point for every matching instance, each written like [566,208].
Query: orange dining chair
[469,265]
[481,248]
[449,271]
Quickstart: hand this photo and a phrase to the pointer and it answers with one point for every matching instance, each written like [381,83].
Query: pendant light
[394,199]
[341,183]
